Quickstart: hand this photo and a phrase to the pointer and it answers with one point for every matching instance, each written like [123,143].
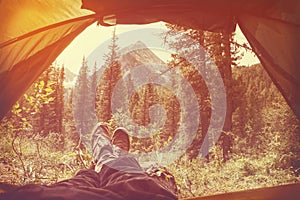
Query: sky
[92,43]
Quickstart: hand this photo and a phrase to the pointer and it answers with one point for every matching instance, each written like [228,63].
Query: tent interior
[34,33]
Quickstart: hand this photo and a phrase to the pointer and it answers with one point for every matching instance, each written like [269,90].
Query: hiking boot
[120,138]
[105,149]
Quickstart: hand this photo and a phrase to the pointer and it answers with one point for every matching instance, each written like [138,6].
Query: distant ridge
[69,75]
[137,54]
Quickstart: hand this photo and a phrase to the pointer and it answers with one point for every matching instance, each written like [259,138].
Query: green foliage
[41,160]
[201,178]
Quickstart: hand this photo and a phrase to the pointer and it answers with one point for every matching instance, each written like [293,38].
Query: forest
[43,136]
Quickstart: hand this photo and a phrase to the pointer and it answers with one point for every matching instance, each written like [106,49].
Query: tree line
[250,99]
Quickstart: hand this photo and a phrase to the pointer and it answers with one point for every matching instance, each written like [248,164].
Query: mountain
[135,55]
[70,78]
[139,54]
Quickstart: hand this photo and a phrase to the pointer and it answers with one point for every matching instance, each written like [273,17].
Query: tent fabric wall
[277,46]
[29,57]
[32,35]
[213,15]
[275,38]
[19,17]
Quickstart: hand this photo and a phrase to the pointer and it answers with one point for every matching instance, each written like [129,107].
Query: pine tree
[106,85]
[173,110]
[69,125]
[45,119]
[82,99]
[219,47]
[223,56]
[94,79]
[112,56]
[59,109]
[61,99]
[194,78]
[40,117]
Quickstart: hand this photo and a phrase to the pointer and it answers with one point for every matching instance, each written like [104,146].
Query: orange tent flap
[24,59]
[21,17]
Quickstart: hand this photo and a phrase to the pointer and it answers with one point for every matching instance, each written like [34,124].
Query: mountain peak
[138,54]
[139,45]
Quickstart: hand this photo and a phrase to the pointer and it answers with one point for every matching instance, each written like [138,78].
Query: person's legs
[103,150]
[85,177]
[123,175]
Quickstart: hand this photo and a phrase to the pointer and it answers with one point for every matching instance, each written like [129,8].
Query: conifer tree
[60,98]
[81,99]
[45,119]
[59,105]
[219,47]
[224,57]
[94,79]
[40,117]
[108,81]
[69,125]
